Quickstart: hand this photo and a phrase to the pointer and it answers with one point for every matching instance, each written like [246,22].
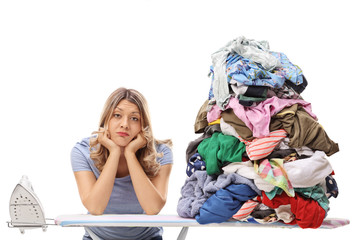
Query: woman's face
[125,123]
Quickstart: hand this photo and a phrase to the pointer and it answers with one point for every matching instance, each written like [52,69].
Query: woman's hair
[147,155]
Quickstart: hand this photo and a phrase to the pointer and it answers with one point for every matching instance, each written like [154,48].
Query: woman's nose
[124,123]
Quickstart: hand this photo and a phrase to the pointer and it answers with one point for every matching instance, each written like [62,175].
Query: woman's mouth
[123,134]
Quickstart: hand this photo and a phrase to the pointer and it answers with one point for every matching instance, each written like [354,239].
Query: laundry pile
[262,153]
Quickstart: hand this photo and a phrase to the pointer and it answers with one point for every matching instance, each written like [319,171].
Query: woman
[123,170]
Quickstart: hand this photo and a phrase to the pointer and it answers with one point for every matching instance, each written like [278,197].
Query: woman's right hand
[103,139]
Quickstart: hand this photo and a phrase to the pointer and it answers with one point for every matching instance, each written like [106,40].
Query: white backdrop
[59,61]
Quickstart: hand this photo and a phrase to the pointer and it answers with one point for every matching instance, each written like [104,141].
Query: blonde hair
[147,155]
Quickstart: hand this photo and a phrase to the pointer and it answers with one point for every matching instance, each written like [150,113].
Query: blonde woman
[123,170]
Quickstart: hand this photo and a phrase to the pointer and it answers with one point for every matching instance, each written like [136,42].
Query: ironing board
[140,220]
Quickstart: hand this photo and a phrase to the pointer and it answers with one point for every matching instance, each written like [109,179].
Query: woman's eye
[117,115]
[134,119]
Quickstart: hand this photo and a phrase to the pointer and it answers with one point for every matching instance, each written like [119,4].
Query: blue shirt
[123,199]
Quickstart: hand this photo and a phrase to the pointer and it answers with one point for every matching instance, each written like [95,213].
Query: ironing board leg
[183,233]
[92,235]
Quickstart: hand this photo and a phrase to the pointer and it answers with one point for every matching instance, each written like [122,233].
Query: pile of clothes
[261,156]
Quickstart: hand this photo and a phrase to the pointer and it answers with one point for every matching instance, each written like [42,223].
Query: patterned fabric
[332,189]
[273,171]
[195,163]
[250,49]
[251,73]
[288,70]
[245,210]
[260,148]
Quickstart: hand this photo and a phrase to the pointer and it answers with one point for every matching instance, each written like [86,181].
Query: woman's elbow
[155,209]
[152,212]
[96,211]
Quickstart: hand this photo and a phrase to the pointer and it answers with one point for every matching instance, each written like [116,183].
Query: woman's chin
[122,143]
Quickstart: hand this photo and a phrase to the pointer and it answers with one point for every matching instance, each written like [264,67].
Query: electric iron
[26,211]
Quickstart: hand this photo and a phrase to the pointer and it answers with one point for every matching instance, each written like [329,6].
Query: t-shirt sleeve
[79,161]
[167,157]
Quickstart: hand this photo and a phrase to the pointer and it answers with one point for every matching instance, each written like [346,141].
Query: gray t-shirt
[123,199]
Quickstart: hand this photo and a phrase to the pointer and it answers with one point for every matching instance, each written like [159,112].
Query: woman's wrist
[129,153]
[116,151]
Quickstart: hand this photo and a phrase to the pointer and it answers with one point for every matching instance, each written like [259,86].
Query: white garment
[308,172]
[238,88]
[283,212]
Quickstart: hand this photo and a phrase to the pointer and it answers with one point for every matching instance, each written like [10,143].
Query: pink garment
[257,118]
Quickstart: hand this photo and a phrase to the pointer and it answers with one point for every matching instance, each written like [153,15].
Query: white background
[59,61]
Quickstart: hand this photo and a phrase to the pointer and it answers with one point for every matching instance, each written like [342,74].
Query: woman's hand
[103,139]
[138,142]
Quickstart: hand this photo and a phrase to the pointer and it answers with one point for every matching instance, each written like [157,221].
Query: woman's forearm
[149,197]
[98,196]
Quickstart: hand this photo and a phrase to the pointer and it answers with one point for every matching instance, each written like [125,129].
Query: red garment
[308,213]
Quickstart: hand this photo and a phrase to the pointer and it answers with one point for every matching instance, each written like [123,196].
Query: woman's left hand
[138,142]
